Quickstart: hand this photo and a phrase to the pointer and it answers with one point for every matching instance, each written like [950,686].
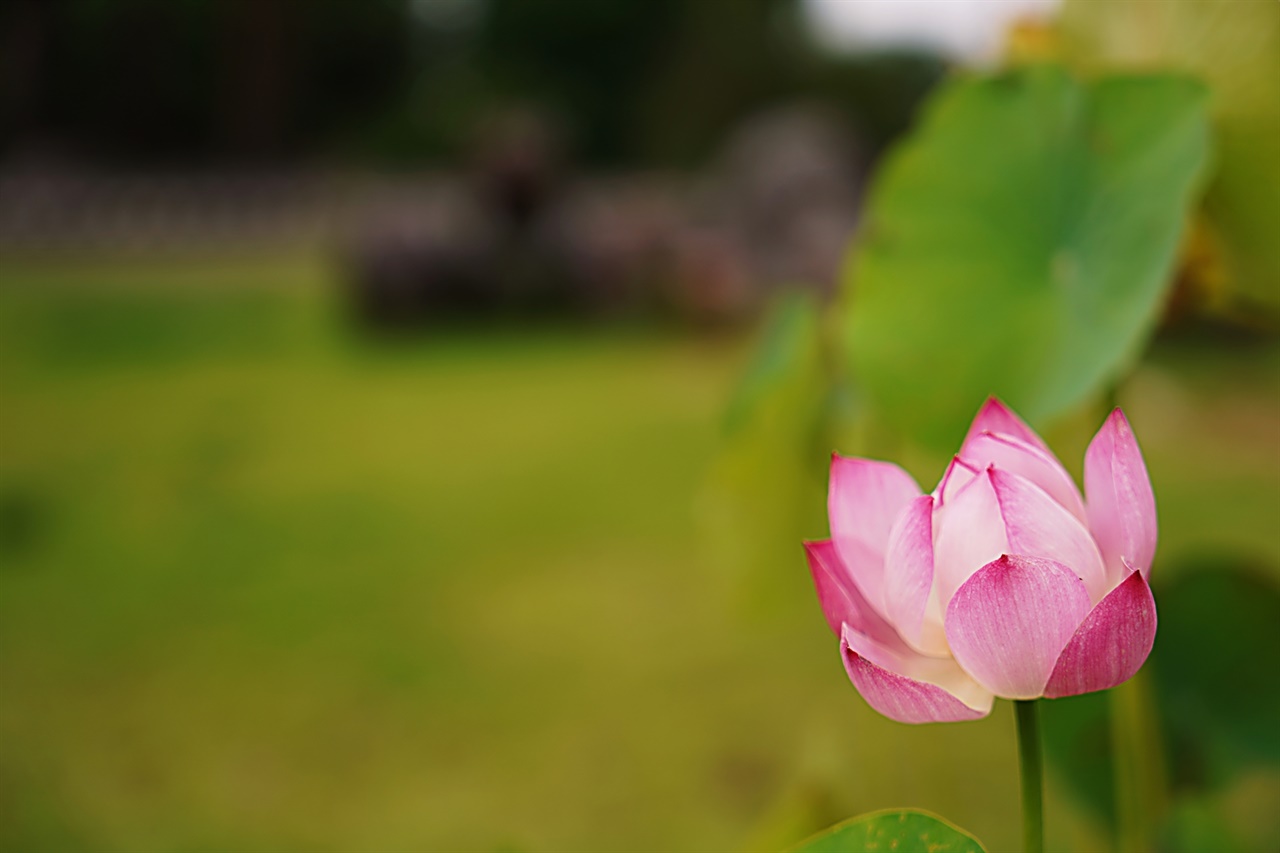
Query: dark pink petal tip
[1111,644]
[996,417]
[952,482]
[1026,460]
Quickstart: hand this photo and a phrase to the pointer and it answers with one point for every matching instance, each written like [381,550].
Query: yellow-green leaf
[893,831]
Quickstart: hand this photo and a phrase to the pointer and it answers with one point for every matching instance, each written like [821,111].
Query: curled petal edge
[959,474]
[1111,643]
[903,698]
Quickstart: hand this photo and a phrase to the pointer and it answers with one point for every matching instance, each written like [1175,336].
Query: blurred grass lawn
[267,586]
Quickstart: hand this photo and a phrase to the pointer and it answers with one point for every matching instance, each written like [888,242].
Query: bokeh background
[402,445]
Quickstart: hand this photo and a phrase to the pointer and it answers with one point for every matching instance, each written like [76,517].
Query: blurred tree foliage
[654,81]
[136,80]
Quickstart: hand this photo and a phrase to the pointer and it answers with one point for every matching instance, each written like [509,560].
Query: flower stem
[1031,772]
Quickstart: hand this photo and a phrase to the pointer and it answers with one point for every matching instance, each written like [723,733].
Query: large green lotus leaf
[1234,47]
[1019,244]
[902,831]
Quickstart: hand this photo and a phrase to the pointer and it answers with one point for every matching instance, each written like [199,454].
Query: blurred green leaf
[1235,48]
[1213,665]
[1077,743]
[900,830]
[788,353]
[1019,244]
[1197,826]
[767,483]
[1217,715]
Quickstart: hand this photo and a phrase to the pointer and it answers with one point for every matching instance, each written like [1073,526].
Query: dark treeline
[129,82]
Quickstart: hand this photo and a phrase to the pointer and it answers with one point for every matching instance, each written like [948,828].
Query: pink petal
[1039,526]
[908,578]
[1009,623]
[1111,644]
[969,532]
[1002,513]
[863,500]
[959,474]
[842,602]
[1121,505]
[1026,460]
[995,416]
[911,688]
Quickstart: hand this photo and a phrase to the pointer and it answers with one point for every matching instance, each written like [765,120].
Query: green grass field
[267,585]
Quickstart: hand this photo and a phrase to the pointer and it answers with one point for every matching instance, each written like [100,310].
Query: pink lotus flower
[1001,582]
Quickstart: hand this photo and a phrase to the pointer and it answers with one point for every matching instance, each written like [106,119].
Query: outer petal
[1111,644]
[1009,623]
[908,579]
[995,416]
[1026,460]
[911,688]
[842,602]
[1039,526]
[1121,505]
[864,497]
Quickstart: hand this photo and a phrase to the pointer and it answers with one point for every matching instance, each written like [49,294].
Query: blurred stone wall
[513,232]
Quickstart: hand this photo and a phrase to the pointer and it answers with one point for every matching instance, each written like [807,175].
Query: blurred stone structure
[58,207]
[788,186]
[524,236]
[513,233]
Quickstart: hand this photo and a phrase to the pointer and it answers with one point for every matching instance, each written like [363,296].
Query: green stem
[1031,772]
